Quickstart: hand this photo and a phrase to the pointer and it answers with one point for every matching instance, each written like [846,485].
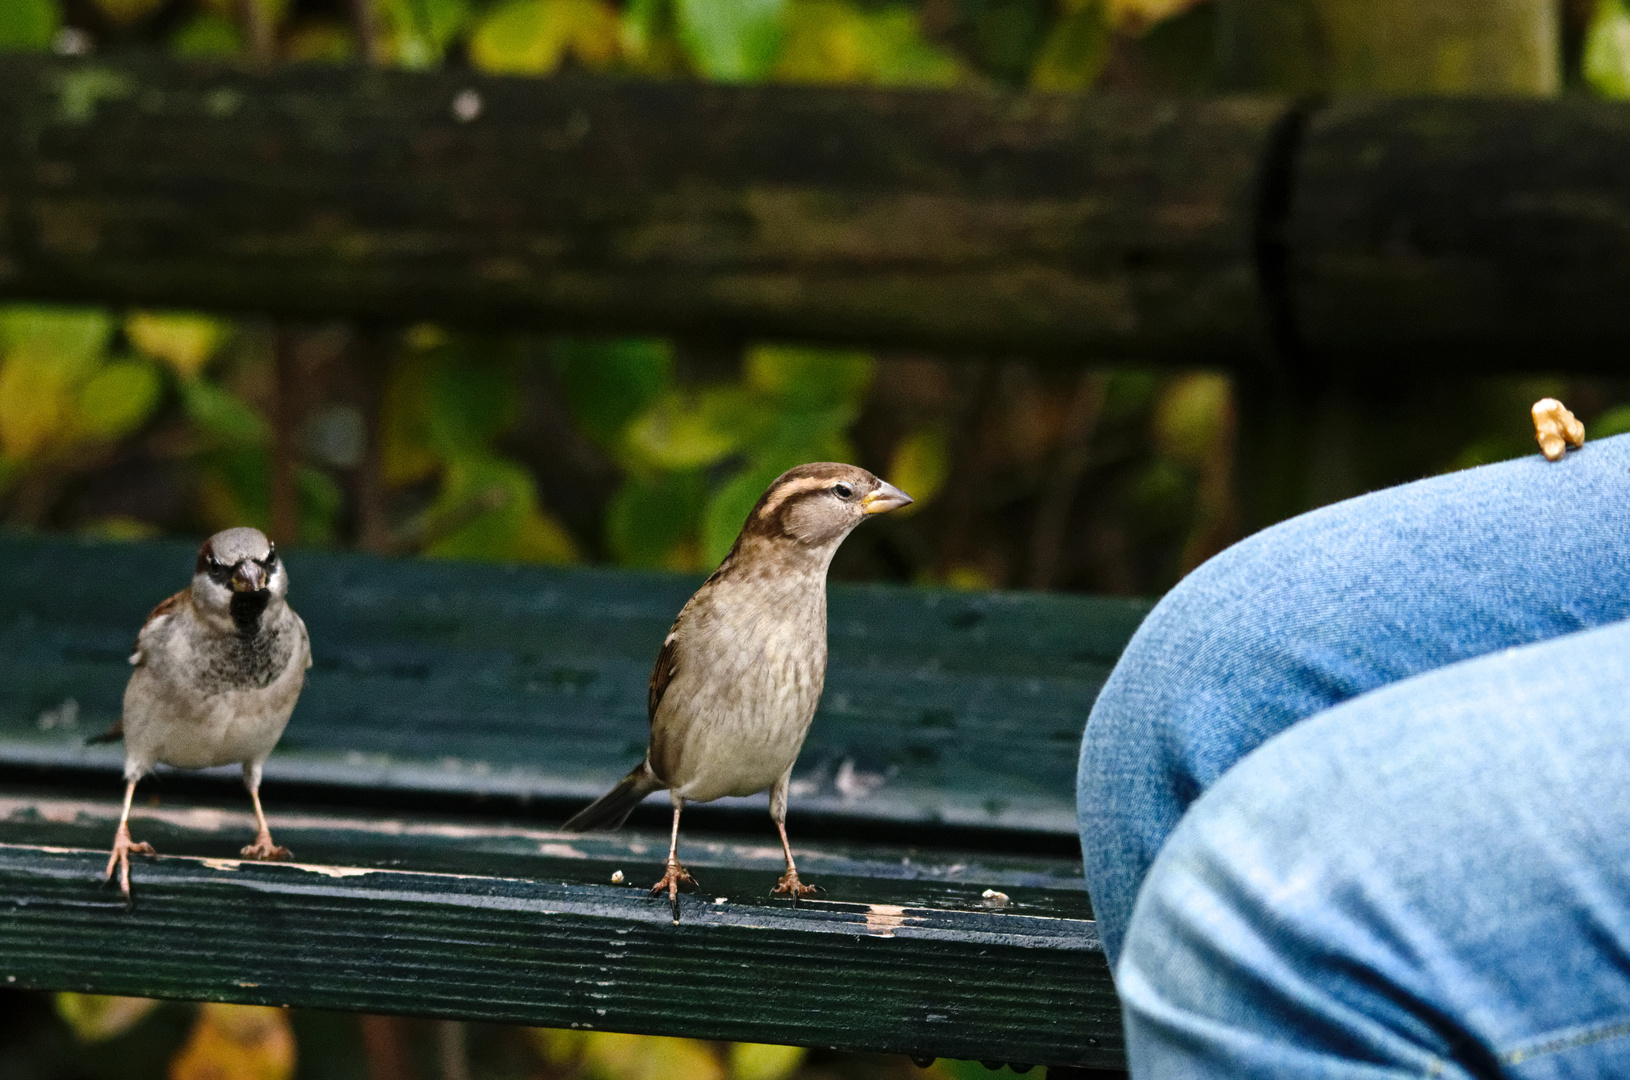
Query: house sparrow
[219,666]
[738,677]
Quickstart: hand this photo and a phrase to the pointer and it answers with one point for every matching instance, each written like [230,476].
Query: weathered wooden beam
[1076,227]
[1472,235]
[1463,235]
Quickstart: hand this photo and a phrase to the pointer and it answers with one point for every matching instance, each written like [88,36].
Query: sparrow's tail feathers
[612,809]
[112,734]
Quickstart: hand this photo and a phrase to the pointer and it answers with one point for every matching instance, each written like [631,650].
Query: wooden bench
[456,713]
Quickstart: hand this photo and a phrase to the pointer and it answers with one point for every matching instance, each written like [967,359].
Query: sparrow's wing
[154,618]
[661,675]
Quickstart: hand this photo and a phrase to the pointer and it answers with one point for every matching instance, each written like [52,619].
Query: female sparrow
[219,666]
[738,677]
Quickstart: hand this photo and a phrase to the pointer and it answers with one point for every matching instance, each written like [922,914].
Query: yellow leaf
[425,336]
[114,401]
[687,430]
[810,377]
[904,57]
[828,41]
[237,1042]
[94,1017]
[1075,51]
[121,527]
[48,354]
[836,41]
[1191,416]
[1606,61]
[611,1056]
[531,37]
[405,449]
[185,342]
[488,509]
[920,466]
[558,1046]
[968,578]
[761,1061]
[36,405]
[542,539]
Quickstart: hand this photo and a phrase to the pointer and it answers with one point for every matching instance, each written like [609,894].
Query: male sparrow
[738,677]
[218,668]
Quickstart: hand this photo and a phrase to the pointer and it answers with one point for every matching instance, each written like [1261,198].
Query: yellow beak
[887,497]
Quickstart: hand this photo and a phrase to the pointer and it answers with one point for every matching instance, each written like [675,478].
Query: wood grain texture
[513,924]
[975,221]
[1463,236]
[941,709]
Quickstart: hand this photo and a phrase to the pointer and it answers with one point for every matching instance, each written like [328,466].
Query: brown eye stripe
[779,495]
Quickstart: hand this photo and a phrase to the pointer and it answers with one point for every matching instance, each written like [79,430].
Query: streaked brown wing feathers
[167,606]
[662,674]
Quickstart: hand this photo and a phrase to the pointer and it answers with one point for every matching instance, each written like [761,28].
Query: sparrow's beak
[887,497]
[249,576]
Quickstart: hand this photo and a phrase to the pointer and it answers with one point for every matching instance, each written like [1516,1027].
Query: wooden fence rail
[1242,233]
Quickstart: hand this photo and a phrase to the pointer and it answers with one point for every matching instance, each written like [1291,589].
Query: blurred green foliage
[1607,49]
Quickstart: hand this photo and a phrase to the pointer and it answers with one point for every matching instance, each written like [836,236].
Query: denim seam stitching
[1573,1042]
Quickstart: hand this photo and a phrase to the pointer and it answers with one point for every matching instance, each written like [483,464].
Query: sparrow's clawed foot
[123,848]
[789,885]
[673,880]
[264,850]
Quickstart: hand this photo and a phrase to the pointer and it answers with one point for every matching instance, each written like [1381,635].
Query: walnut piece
[1556,428]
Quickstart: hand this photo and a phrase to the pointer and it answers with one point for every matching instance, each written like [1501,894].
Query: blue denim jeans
[1356,800]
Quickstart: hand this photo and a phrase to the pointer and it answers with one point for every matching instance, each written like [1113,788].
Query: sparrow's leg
[123,847]
[676,875]
[262,848]
[789,885]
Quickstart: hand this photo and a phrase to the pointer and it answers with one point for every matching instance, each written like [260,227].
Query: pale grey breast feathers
[213,663]
[747,657]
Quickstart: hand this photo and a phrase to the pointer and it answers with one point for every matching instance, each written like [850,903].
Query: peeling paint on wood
[502,941]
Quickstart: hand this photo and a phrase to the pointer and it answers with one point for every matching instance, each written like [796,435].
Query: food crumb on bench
[994,898]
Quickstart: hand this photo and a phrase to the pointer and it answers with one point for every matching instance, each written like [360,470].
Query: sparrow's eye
[220,572]
[843,491]
[270,561]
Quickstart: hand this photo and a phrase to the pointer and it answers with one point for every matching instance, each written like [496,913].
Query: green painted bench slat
[456,711]
[469,918]
[940,707]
